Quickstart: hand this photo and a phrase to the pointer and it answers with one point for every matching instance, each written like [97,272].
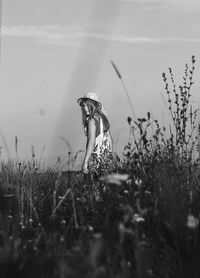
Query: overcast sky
[53,51]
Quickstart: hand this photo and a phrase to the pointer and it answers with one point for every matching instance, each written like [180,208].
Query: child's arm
[90,144]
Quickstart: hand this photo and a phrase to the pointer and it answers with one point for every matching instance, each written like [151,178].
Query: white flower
[63,222]
[129,181]
[192,222]
[115,178]
[90,228]
[138,182]
[137,218]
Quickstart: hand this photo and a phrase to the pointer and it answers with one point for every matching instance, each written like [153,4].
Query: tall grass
[132,217]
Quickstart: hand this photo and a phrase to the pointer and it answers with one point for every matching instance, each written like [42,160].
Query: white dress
[103,142]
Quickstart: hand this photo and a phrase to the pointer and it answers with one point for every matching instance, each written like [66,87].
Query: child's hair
[95,112]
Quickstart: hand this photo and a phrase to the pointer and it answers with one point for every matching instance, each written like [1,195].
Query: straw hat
[91,96]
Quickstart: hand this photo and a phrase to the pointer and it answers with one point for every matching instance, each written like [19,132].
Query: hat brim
[85,98]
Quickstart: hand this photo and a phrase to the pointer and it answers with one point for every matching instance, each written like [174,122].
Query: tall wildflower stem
[178,105]
[125,89]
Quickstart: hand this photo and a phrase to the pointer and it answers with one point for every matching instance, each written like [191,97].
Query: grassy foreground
[134,217]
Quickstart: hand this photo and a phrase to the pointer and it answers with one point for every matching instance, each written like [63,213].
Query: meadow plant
[182,114]
[165,170]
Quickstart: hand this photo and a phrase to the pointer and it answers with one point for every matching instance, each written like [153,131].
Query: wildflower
[115,178]
[137,218]
[63,222]
[59,197]
[141,120]
[138,182]
[22,225]
[129,182]
[129,120]
[192,222]
[90,228]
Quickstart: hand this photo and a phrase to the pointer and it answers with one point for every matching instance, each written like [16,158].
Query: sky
[53,51]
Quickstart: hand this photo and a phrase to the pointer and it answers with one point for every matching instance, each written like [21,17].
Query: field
[136,216]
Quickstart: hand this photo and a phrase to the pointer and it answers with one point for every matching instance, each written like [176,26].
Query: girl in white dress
[97,129]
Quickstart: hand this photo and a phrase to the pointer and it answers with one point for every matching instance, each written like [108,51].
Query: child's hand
[84,168]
